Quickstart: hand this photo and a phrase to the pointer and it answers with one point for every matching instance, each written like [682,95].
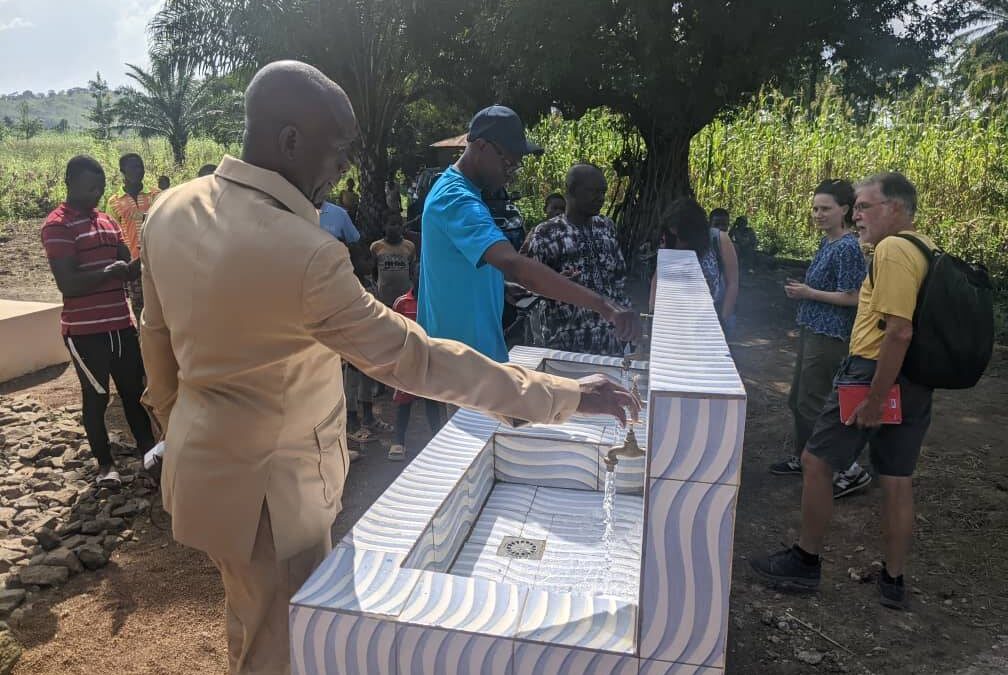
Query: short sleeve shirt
[898,268]
[336,221]
[593,252]
[838,266]
[461,297]
[395,264]
[93,239]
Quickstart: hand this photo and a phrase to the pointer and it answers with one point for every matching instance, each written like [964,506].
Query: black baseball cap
[501,125]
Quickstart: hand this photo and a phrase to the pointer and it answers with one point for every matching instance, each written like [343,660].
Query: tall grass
[765,161]
[31,172]
[762,161]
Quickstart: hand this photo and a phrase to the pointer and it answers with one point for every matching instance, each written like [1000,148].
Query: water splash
[609,526]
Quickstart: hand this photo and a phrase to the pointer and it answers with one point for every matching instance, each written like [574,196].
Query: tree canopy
[671,67]
[169,101]
[668,68]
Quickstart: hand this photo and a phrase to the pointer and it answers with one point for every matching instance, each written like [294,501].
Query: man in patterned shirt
[581,244]
[129,209]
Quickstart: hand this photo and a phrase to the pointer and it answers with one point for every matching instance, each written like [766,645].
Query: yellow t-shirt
[899,270]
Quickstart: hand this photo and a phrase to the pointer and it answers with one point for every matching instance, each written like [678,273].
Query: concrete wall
[29,338]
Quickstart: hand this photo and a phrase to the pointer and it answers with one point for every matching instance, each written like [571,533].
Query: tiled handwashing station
[485,555]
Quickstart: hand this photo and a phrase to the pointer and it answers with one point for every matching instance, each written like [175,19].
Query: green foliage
[101,115]
[670,68]
[27,125]
[31,173]
[72,105]
[765,160]
[170,102]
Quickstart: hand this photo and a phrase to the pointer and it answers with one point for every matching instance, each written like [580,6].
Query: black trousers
[95,358]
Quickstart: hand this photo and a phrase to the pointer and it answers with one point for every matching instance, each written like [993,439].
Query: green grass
[762,161]
[31,172]
[766,160]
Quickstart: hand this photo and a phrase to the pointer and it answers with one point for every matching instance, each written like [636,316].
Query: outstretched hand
[626,322]
[599,396]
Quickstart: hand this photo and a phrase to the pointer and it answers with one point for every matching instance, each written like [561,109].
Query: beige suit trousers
[256,597]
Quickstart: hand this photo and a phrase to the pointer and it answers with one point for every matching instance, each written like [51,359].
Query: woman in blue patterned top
[828,303]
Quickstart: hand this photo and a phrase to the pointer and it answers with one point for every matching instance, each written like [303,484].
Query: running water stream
[609,526]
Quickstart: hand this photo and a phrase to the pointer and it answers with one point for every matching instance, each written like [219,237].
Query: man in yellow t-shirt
[884,207]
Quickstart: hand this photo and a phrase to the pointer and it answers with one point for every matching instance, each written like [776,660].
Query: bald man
[250,309]
[581,243]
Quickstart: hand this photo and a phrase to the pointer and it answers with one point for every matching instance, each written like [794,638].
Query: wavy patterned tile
[609,366]
[394,521]
[451,525]
[359,580]
[464,603]
[480,477]
[330,643]
[687,329]
[432,651]
[697,439]
[686,575]
[423,554]
[549,463]
[583,621]
[653,667]
[533,658]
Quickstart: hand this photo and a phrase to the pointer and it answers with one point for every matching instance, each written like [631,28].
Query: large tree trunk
[661,177]
[178,144]
[373,167]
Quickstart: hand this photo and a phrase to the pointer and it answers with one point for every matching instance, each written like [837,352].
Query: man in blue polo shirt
[465,257]
[336,221]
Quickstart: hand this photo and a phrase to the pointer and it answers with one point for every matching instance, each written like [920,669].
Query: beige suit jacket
[249,310]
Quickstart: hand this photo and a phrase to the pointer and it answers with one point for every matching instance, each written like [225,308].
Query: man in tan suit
[250,308]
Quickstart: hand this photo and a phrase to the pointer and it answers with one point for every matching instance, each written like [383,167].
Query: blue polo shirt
[336,221]
[461,297]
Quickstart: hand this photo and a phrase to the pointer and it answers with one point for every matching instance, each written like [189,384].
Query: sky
[58,44]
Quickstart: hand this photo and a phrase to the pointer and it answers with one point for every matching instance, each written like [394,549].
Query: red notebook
[851,396]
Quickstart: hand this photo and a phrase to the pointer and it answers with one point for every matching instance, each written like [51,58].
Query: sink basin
[489,553]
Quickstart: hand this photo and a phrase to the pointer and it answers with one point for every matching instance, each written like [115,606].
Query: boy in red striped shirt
[89,261]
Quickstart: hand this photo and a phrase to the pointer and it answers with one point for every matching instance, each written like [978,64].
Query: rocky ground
[54,522]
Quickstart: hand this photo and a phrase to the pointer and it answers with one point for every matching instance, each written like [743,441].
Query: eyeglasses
[510,166]
[861,207]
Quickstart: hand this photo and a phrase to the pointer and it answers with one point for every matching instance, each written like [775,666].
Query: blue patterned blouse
[838,266]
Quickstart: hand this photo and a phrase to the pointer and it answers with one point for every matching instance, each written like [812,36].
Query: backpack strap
[927,252]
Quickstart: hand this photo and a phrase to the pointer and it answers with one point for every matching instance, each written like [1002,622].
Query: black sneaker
[892,592]
[789,467]
[844,485]
[787,571]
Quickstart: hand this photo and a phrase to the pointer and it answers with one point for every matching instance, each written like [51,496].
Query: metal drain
[521,548]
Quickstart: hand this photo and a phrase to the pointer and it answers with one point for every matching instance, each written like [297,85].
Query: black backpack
[953,322]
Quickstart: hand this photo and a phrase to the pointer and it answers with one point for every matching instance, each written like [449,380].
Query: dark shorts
[894,448]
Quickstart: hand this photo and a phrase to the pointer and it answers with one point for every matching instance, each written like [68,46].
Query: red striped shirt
[93,239]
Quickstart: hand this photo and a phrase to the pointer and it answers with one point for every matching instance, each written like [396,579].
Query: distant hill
[71,105]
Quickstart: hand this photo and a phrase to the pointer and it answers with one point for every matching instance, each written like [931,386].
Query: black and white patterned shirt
[592,253]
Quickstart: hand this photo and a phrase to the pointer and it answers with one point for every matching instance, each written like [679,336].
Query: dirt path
[158,607]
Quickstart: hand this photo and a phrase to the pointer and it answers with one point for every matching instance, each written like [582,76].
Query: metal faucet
[629,449]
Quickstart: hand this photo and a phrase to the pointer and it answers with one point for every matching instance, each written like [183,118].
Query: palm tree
[170,102]
[981,68]
[364,45]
